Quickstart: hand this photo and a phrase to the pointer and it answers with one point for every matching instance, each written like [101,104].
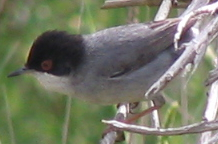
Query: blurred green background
[31,115]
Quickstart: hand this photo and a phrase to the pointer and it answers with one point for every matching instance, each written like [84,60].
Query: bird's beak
[19,72]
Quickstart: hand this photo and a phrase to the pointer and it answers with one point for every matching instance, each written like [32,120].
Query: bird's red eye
[46,65]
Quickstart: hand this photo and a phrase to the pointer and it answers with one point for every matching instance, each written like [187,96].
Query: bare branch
[189,129]
[126,3]
[8,115]
[163,10]
[193,49]
[211,112]
[66,121]
[212,140]
[111,136]
[208,9]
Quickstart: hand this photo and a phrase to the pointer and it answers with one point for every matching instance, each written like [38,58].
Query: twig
[163,10]
[184,100]
[66,121]
[132,15]
[126,3]
[113,135]
[189,129]
[210,112]
[208,9]
[195,4]
[212,140]
[69,98]
[179,65]
[10,125]
[193,49]
[155,120]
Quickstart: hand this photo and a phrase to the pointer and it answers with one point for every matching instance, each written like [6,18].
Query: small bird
[110,66]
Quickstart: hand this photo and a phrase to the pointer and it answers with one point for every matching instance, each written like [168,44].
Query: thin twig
[126,3]
[66,121]
[132,15]
[112,135]
[82,9]
[208,9]
[155,120]
[69,98]
[8,112]
[163,10]
[189,129]
[210,111]
[193,50]
[184,100]
[212,140]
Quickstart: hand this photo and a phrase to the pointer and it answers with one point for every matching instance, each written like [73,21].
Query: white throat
[60,84]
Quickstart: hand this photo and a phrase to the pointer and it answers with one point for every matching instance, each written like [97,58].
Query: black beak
[19,72]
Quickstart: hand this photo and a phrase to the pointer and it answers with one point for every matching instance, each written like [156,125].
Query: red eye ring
[46,65]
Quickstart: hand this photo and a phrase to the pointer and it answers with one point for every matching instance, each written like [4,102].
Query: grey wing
[121,50]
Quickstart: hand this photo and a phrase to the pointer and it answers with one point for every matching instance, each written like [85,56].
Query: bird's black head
[56,52]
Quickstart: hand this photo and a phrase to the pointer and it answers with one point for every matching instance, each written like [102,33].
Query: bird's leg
[159,101]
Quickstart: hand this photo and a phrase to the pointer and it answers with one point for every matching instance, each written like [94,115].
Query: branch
[193,50]
[208,10]
[126,3]
[163,10]
[112,136]
[189,129]
[211,111]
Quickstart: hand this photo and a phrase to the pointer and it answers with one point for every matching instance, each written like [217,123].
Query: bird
[110,66]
